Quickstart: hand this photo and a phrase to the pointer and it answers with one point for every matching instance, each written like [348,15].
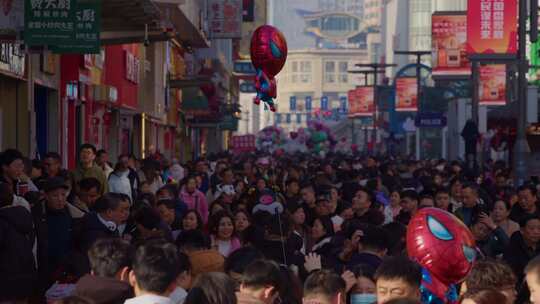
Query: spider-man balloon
[445,247]
[268,55]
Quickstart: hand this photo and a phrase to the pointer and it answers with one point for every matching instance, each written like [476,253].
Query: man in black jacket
[17,261]
[111,211]
[528,203]
[108,283]
[523,245]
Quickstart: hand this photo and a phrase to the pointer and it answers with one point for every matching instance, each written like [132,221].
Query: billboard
[492,28]
[492,87]
[406,94]
[361,102]
[449,43]
[225,19]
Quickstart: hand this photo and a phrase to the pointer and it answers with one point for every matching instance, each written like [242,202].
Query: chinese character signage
[361,102]
[11,17]
[492,27]
[492,85]
[243,144]
[132,67]
[324,103]
[406,94]
[67,26]
[12,59]
[449,42]
[225,19]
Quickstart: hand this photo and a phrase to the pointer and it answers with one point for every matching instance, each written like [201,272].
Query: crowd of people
[253,228]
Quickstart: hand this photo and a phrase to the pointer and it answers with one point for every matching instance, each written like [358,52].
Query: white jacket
[119,183]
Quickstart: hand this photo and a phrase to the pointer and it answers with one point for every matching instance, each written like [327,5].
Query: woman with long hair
[223,233]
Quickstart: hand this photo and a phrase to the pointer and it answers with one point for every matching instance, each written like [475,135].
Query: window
[305,71]
[343,72]
[330,72]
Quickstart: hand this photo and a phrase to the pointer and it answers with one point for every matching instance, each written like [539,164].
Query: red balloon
[442,244]
[268,50]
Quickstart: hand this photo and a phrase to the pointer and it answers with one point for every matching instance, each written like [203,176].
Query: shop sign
[430,120]
[406,94]
[449,42]
[492,87]
[132,67]
[12,59]
[492,28]
[362,101]
[225,19]
[66,26]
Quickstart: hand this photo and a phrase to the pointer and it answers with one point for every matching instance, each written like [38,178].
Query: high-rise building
[372,13]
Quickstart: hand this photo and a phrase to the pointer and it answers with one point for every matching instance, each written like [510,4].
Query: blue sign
[292,103]
[278,118]
[308,103]
[288,118]
[324,103]
[430,120]
[343,104]
[244,67]
[308,117]
[298,118]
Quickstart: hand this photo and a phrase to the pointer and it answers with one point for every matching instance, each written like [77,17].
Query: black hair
[327,224]
[241,258]
[215,219]
[109,256]
[197,215]
[53,155]
[400,267]
[38,164]
[324,283]
[262,273]
[529,187]
[212,288]
[375,238]
[156,266]
[9,156]
[109,201]
[364,270]
[410,194]
[169,204]
[100,152]
[148,218]
[6,194]
[192,240]
[396,233]
[526,219]
[170,188]
[88,146]
[89,183]
[442,190]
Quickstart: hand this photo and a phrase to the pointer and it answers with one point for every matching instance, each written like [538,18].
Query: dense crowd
[253,228]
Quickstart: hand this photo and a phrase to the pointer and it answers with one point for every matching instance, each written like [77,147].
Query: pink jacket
[196,201]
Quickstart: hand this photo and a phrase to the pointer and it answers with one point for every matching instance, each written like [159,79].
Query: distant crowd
[253,228]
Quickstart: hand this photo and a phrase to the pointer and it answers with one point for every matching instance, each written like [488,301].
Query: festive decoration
[268,56]
[321,140]
[445,247]
[271,139]
[267,202]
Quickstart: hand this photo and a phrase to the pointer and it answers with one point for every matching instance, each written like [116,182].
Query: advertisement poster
[492,28]
[492,85]
[361,102]
[406,94]
[225,19]
[449,42]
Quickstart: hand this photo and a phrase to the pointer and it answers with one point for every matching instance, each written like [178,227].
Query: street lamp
[418,55]
[376,68]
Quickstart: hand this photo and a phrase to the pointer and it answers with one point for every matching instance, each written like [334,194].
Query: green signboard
[65,26]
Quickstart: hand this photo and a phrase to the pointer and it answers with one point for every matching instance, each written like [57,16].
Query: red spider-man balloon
[443,246]
[268,55]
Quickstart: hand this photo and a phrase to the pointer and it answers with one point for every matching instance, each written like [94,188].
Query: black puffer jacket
[17,263]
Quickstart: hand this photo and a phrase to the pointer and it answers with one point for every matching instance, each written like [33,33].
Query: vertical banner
[365,100]
[324,103]
[343,104]
[492,85]
[308,103]
[492,28]
[449,42]
[351,97]
[225,19]
[406,94]
[292,103]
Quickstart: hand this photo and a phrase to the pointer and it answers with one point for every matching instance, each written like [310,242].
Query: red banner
[492,27]
[449,42]
[492,85]
[361,102]
[406,94]
[243,144]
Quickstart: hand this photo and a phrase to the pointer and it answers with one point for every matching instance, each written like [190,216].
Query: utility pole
[521,147]
[377,68]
